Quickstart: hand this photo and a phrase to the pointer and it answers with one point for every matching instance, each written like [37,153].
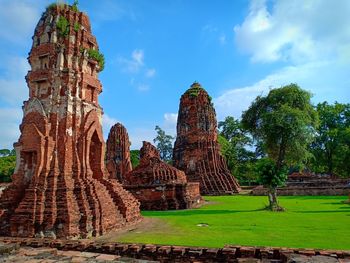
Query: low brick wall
[183,254]
[304,191]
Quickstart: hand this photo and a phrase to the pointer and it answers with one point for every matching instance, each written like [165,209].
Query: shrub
[75,6]
[97,56]
[63,26]
[76,26]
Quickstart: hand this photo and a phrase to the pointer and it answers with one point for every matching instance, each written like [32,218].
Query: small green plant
[54,5]
[97,56]
[51,6]
[76,26]
[75,6]
[194,90]
[63,26]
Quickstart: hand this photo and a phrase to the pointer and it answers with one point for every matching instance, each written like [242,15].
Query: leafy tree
[284,121]
[164,144]
[5,152]
[135,158]
[235,145]
[7,167]
[331,148]
[271,177]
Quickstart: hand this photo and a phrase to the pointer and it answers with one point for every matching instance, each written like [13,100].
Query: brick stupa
[160,186]
[196,150]
[118,160]
[60,185]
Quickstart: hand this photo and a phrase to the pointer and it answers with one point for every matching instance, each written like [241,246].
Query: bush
[75,6]
[76,26]
[97,56]
[63,26]
[7,167]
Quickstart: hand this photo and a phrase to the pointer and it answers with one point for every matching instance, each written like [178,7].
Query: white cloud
[310,37]
[296,31]
[14,89]
[10,119]
[107,123]
[133,64]
[138,135]
[222,39]
[18,20]
[170,121]
[138,56]
[326,80]
[143,87]
[150,73]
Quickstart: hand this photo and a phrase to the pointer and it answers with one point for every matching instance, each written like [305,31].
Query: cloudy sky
[156,49]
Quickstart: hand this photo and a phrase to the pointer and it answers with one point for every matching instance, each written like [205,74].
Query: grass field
[309,222]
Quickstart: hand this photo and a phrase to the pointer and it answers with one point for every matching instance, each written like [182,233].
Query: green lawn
[309,222]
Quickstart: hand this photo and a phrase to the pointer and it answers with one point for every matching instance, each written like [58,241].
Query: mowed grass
[309,222]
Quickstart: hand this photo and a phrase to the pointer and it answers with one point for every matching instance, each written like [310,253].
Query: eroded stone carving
[196,150]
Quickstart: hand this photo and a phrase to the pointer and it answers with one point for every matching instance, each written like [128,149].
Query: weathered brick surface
[60,185]
[196,150]
[118,160]
[160,186]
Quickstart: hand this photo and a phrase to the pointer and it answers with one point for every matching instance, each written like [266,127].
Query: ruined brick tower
[196,150]
[118,160]
[60,185]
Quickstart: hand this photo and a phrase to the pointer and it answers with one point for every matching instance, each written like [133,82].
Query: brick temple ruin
[118,160]
[305,183]
[156,184]
[60,185]
[196,150]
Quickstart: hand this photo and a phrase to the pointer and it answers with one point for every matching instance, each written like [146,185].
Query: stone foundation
[162,253]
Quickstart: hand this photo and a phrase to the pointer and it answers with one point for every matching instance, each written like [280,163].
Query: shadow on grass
[323,211]
[313,197]
[197,212]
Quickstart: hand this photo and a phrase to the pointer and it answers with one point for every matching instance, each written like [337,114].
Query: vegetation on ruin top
[98,57]
[308,222]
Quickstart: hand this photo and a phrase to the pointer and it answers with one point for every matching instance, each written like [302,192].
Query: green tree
[236,146]
[164,144]
[331,148]
[135,158]
[7,167]
[284,121]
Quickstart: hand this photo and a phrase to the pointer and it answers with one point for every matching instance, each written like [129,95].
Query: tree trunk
[273,202]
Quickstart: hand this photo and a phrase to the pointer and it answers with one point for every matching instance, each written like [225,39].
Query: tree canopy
[331,148]
[284,121]
[164,144]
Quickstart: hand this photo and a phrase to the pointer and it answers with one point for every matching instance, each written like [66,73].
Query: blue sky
[156,49]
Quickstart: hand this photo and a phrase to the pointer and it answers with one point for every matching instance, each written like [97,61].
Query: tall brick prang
[196,150]
[61,187]
[118,160]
